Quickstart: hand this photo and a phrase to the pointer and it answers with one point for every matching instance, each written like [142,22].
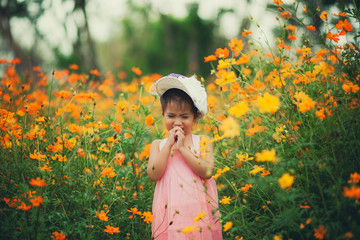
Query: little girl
[185,198]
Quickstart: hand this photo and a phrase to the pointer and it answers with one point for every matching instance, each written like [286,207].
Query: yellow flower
[324,68]
[239,109]
[230,127]
[277,237]
[303,101]
[227,226]
[199,216]
[190,229]
[286,180]
[268,103]
[225,77]
[223,64]
[243,157]
[324,15]
[256,169]
[266,156]
[225,200]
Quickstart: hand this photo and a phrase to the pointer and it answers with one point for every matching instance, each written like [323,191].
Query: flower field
[283,119]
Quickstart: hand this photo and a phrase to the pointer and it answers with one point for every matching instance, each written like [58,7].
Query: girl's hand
[174,135]
[180,139]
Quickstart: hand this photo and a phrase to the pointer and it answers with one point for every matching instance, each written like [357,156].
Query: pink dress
[180,196]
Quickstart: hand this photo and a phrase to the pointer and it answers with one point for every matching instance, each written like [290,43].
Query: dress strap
[162,143]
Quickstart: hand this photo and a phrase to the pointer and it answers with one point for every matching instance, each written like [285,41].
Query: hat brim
[167,83]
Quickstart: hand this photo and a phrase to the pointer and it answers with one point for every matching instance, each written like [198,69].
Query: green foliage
[74,151]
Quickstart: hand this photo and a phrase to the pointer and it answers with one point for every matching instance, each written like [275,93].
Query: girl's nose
[177,123]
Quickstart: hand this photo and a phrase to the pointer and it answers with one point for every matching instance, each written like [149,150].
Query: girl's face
[179,116]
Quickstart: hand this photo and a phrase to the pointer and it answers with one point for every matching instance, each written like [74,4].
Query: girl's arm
[203,166]
[157,160]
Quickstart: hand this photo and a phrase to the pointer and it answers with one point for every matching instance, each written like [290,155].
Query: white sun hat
[189,85]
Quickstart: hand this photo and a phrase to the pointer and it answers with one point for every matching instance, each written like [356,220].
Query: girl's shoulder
[158,142]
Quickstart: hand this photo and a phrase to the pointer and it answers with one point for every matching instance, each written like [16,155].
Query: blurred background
[157,36]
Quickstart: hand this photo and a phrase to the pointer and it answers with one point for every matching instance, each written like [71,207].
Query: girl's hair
[179,97]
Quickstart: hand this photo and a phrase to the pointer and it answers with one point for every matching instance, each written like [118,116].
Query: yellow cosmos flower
[199,216]
[286,181]
[256,169]
[227,226]
[268,103]
[239,109]
[190,229]
[230,127]
[225,77]
[225,200]
[266,156]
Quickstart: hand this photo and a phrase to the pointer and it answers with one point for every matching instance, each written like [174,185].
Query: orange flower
[350,87]
[46,168]
[136,70]
[115,126]
[291,28]
[145,153]
[73,67]
[340,14]
[24,207]
[265,173]
[148,217]
[246,33]
[354,178]
[292,37]
[285,14]
[37,155]
[278,2]
[36,201]
[111,230]
[243,59]
[353,192]
[235,87]
[246,188]
[304,102]
[304,206]
[222,53]
[95,72]
[210,58]
[58,236]
[310,27]
[109,172]
[344,26]
[149,120]
[102,215]
[81,152]
[320,232]
[236,45]
[119,158]
[37,182]
[134,211]
[111,139]
[37,69]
